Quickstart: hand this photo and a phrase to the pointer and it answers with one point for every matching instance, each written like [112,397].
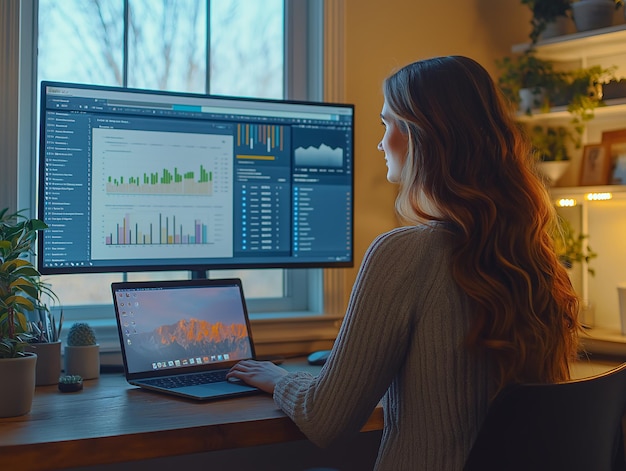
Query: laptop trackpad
[215,389]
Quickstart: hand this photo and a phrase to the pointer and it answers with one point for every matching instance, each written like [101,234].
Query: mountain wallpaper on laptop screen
[189,338]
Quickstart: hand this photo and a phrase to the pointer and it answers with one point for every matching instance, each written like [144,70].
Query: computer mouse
[319,357]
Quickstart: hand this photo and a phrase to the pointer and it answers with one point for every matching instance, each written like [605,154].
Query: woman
[447,311]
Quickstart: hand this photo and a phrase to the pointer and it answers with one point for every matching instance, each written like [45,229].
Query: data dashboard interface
[134,180]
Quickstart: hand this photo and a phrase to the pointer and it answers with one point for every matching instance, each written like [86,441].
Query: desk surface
[110,421]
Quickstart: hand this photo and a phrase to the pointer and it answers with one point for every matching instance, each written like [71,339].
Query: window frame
[320,293]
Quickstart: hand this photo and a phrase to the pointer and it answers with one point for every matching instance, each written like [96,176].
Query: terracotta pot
[18,385]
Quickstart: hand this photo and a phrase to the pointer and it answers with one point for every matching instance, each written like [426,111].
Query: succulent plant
[70,379]
[80,335]
[70,383]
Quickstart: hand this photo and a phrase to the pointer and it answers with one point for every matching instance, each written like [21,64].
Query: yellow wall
[384,35]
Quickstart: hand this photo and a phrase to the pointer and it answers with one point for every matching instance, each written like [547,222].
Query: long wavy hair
[470,165]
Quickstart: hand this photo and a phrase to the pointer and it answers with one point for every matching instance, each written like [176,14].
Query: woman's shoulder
[412,252]
[422,241]
[434,233]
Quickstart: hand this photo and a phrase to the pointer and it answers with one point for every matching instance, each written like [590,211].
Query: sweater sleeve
[370,347]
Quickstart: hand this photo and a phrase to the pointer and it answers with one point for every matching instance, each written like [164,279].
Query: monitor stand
[198,274]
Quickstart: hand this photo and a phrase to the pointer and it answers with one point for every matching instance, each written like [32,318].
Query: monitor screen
[138,180]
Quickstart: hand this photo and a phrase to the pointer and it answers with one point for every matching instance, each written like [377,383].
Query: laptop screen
[169,326]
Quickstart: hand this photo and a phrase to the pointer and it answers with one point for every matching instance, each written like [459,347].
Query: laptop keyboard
[191,379]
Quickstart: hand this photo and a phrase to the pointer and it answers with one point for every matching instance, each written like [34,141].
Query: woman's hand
[260,374]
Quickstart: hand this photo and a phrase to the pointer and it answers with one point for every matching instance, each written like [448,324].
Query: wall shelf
[599,219]
[612,108]
[599,42]
[619,191]
[603,222]
[604,342]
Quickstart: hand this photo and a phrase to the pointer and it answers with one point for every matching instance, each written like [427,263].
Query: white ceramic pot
[48,362]
[593,14]
[18,385]
[531,99]
[562,26]
[83,361]
[553,170]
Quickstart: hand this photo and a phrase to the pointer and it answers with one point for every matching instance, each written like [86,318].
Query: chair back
[574,425]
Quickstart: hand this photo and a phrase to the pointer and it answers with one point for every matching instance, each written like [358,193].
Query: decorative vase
[48,362]
[82,360]
[593,14]
[553,170]
[18,385]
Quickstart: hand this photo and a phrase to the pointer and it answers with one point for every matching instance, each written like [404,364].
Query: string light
[598,196]
[566,203]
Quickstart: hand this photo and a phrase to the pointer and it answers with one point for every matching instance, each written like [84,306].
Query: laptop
[181,337]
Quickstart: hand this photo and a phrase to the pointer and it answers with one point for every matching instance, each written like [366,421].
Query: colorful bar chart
[165,230]
[260,137]
[165,182]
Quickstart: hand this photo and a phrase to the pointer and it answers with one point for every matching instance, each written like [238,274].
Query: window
[164,45]
[168,44]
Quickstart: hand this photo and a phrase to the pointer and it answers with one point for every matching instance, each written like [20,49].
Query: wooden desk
[110,421]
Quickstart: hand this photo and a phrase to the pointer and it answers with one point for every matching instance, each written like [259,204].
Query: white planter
[553,170]
[48,362]
[531,99]
[83,361]
[18,385]
[593,14]
[560,27]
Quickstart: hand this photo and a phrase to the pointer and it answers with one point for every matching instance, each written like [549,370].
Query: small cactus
[80,335]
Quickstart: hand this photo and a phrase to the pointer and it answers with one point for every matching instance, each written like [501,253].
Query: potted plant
[572,247]
[20,290]
[583,89]
[549,18]
[82,352]
[46,343]
[594,14]
[527,80]
[550,145]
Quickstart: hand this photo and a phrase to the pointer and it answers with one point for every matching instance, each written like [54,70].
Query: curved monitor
[138,180]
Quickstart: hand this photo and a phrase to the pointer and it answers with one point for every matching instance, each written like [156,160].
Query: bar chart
[163,230]
[165,182]
[261,137]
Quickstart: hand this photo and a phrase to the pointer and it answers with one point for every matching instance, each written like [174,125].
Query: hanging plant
[585,87]
[550,143]
[545,12]
[526,71]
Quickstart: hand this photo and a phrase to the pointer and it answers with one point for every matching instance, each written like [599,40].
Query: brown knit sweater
[401,341]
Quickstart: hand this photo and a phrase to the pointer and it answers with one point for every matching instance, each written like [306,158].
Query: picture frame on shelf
[596,164]
[615,141]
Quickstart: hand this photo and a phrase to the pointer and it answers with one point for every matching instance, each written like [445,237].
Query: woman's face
[394,144]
